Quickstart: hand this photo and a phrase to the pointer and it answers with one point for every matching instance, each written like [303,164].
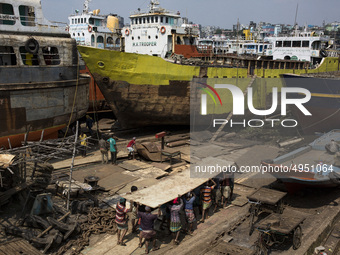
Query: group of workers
[105,145]
[179,214]
[111,143]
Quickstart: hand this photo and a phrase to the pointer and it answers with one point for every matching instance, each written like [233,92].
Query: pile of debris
[70,232]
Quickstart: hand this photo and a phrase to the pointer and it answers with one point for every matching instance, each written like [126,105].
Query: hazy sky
[222,13]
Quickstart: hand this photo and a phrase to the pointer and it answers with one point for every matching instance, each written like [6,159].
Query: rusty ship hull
[41,90]
[147,90]
[34,108]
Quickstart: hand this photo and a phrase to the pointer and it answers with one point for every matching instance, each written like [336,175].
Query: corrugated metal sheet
[6,160]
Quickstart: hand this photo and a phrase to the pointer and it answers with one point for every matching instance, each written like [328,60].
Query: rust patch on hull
[147,105]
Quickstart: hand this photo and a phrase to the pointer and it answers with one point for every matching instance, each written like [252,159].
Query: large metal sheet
[170,187]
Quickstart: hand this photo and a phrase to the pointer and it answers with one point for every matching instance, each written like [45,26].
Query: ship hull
[146,90]
[324,104]
[33,107]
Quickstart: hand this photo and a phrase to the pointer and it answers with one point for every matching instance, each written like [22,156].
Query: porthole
[101,64]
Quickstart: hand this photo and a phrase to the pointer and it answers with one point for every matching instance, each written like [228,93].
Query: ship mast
[86,6]
[153,5]
[295,24]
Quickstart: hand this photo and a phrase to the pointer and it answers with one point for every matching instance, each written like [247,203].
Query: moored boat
[90,28]
[308,166]
[144,89]
[324,104]
[41,90]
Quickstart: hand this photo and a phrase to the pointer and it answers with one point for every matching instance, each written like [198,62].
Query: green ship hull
[144,90]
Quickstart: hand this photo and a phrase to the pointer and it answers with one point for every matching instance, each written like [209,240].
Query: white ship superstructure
[304,46]
[91,29]
[156,31]
[234,46]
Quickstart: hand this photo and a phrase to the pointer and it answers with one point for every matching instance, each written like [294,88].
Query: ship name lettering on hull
[144,44]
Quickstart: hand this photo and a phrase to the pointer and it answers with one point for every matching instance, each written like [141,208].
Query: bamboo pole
[71,169]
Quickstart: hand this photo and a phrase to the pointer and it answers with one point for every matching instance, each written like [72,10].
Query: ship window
[7,56]
[305,43]
[148,20]
[156,19]
[75,21]
[166,20]
[143,20]
[296,44]
[278,44]
[156,36]
[27,15]
[132,38]
[162,19]
[8,18]
[151,19]
[117,42]
[78,20]
[100,39]
[51,56]
[287,43]
[138,37]
[109,40]
[140,20]
[78,34]
[28,59]
[241,46]
[98,22]
[82,21]
[83,34]
[72,21]
[91,21]
[92,40]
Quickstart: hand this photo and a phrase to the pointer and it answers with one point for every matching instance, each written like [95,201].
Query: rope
[74,101]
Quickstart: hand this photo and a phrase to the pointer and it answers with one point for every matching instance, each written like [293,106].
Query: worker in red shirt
[130,148]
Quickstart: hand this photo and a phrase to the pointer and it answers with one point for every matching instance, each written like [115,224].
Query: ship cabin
[305,46]
[26,16]
[32,48]
[91,29]
[236,47]
[159,32]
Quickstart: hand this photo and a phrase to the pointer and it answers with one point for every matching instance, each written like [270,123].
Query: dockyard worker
[332,147]
[113,150]
[165,216]
[83,143]
[175,221]
[217,194]
[104,150]
[89,123]
[226,190]
[121,220]
[134,217]
[206,198]
[189,210]
[130,147]
[147,226]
